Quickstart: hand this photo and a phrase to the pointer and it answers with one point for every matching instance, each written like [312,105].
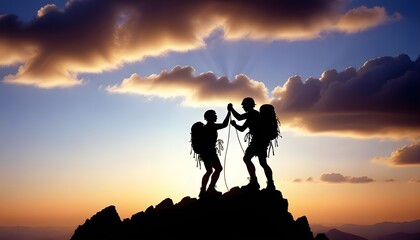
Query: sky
[97,98]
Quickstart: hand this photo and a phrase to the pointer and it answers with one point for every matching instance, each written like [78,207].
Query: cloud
[333,178]
[297,180]
[202,89]
[403,157]
[92,36]
[414,181]
[390,180]
[362,18]
[363,179]
[339,178]
[336,178]
[310,179]
[378,99]
[46,9]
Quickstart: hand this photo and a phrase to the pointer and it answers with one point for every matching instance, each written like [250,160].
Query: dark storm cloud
[100,35]
[381,98]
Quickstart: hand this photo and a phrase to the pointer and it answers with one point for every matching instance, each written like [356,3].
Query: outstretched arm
[240,128]
[235,113]
[225,122]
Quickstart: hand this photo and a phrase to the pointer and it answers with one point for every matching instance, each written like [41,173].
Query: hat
[248,101]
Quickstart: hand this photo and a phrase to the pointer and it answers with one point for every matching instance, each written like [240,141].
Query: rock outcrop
[237,214]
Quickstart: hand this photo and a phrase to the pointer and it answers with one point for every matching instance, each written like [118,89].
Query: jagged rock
[105,224]
[237,214]
[321,236]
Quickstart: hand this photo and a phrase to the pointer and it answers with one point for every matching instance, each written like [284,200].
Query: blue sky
[72,143]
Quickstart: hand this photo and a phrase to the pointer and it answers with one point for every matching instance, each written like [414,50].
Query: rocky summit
[237,214]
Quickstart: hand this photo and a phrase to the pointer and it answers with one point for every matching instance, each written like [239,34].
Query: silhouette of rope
[227,146]
[224,164]
[239,141]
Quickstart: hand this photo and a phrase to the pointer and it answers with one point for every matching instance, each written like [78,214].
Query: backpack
[201,140]
[268,122]
[197,137]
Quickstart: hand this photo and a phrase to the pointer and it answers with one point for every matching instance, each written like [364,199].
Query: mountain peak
[236,214]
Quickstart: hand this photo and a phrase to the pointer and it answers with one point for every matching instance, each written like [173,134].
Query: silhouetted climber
[258,142]
[206,147]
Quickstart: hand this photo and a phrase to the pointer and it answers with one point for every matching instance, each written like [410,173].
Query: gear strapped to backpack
[200,137]
[197,138]
[269,125]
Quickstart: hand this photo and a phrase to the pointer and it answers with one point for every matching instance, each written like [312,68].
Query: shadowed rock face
[237,214]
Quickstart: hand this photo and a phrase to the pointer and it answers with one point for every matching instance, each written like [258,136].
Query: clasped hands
[230,109]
